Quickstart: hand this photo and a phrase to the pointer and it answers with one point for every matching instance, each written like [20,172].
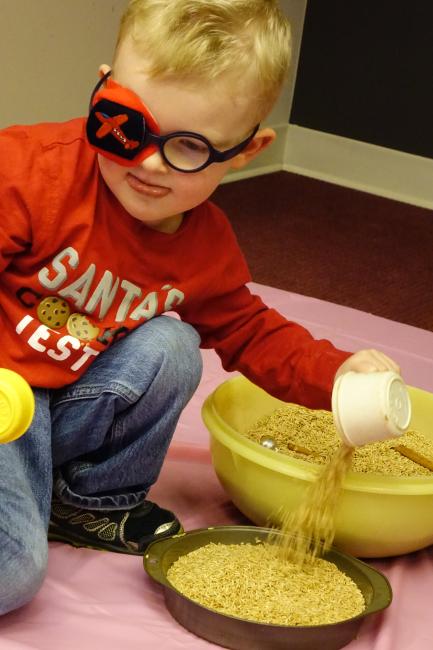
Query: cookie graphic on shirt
[53,312]
[79,325]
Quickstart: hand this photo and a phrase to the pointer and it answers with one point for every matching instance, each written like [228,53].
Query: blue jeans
[103,439]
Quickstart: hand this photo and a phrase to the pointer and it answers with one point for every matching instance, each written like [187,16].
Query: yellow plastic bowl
[17,405]
[378,516]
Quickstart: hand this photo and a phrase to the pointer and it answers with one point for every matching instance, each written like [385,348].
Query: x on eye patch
[117,123]
[122,128]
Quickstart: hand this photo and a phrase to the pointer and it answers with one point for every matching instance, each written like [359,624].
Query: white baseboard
[361,166]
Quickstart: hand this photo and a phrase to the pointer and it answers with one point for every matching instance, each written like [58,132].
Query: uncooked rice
[309,530]
[251,582]
[315,431]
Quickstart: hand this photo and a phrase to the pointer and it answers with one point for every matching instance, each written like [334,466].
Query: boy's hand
[367,361]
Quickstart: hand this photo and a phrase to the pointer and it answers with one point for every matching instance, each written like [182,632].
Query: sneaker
[121,531]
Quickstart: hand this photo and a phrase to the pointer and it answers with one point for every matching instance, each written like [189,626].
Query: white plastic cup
[368,407]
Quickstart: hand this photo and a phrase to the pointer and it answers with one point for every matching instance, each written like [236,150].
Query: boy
[105,225]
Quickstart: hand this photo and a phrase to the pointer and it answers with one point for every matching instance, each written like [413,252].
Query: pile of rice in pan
[250,581]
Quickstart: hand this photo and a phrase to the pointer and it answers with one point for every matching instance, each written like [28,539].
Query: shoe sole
[79,542]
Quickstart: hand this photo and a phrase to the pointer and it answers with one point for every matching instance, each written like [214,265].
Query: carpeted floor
[336,244]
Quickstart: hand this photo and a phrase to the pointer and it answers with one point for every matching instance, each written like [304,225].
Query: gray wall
[295,10]
[50,51]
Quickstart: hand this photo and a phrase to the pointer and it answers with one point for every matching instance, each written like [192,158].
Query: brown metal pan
[239,634]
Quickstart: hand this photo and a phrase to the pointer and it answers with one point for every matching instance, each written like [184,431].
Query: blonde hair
[204,40]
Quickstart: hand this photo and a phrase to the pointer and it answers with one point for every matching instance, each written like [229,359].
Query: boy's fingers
[370,361]
[384,362]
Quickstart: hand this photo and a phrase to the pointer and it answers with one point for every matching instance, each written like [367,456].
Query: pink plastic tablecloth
[93,601]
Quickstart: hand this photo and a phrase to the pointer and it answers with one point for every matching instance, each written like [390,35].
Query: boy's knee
[180,345]
[23,571]
[177,330]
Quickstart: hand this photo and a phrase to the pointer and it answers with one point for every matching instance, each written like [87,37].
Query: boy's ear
[103,69]
[262,140]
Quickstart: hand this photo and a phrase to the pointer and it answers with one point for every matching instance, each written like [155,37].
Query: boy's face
[152,191]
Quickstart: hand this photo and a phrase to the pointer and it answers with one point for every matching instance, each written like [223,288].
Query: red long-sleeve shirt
[77,271]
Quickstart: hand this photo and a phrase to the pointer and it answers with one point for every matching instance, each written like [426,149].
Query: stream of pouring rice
[309,530]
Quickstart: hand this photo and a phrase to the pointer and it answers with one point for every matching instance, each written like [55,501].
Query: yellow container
[17,405]
[378,516]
